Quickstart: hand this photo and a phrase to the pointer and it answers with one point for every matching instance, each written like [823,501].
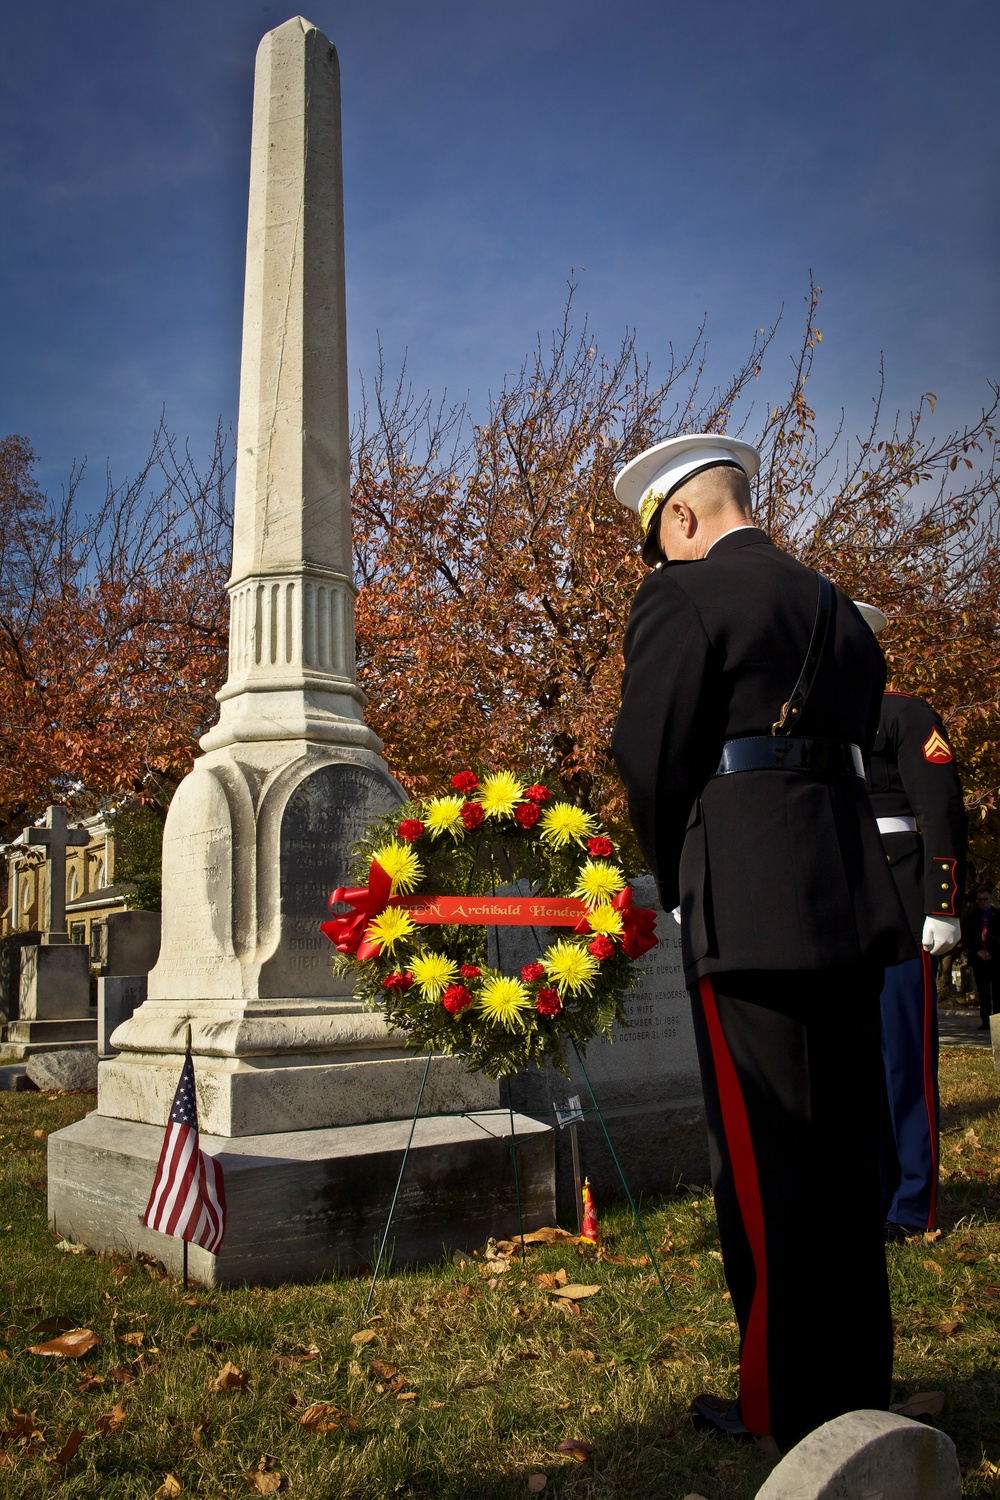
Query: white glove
[676,914]
[940,934]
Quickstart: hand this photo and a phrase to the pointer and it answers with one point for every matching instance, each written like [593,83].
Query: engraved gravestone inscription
[323,819]
[646,1078]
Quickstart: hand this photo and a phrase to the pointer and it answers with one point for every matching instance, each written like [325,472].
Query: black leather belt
[765,752]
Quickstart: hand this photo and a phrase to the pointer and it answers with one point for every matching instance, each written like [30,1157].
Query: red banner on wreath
[493,911]
[347,932]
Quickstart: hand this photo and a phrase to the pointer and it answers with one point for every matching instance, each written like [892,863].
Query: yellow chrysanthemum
[505,1002]
[433,973]
[500,794]
[401,865]
[571,969]
[563,823]
[598,882]
[389,928]
[605,919]
[444,815]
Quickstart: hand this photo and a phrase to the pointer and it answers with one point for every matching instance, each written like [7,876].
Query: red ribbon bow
[347,932]
[638,925]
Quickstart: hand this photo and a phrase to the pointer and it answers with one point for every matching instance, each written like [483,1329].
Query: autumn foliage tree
[496,568]
[495,572]
[113,631]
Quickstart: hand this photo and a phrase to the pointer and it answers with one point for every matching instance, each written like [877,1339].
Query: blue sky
[686,159]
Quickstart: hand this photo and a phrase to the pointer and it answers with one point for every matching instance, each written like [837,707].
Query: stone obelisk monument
[297,1085]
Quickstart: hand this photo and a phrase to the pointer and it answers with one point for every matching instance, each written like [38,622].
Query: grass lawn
[237,1393]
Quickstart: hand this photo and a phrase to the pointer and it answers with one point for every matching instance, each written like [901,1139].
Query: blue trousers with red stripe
[792,1071]
[911,1113]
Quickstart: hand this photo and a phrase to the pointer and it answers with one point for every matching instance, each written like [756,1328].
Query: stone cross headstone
[260,832]
[54,981]
[55,838]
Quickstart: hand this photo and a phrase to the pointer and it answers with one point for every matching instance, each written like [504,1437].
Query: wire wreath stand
[465,1114]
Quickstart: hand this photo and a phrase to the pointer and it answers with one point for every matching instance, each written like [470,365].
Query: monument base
[311,1203]
[27,1037]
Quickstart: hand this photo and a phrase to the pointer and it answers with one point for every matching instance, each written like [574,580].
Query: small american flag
[188,1198]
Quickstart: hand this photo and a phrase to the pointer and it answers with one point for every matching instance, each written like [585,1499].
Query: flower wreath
[415,936]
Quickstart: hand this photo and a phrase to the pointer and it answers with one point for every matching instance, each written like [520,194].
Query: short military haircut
[721,485]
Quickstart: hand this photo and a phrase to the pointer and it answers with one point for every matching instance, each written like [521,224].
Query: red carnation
[465,781]
[472,814]
[469,971]
[600,848]
[411,829]
[531,972]
[455,998]
[602,947]
[527,814]
[538,794]
[548,1003]
[397,981]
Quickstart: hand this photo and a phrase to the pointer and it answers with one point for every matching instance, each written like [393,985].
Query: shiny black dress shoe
[711,1414]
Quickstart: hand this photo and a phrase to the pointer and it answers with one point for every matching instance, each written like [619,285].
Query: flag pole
[184,1252]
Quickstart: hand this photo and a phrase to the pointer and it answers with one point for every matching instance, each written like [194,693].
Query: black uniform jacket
[912,773]
[773,869]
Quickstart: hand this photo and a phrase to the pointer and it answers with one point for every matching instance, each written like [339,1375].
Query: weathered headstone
[645,1079]
[260,831]
[132,942]
[118,998]
[868,1455]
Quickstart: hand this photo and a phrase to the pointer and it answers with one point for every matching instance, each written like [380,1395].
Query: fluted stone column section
[291,660]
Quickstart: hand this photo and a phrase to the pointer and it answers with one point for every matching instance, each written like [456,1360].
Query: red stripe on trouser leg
[754,1388]
[930,1001]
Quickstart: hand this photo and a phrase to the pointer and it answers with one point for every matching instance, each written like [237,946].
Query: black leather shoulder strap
[791,712]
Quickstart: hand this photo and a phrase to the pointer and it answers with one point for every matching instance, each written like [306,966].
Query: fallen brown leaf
[264,1484]
[5,1462]
[25,1429]
[123,1377]
[575,1291]
[170,1487]
[70,1345]
[577,1449]
[69,1447]
[547,1236]
[135,1339]
[923,1404]
[53,1325]
[111,1422]
[323,1417]
[380,1369]
[229,1378]
[932,1265]
[930,1235]
[406,1395]
[948,1326]
[89,1382]
[537,1483]
[364,1337]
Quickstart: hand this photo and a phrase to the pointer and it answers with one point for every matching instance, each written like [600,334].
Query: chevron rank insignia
[937,749]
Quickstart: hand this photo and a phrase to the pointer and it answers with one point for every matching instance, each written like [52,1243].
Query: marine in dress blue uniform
[750,699]
[917,796]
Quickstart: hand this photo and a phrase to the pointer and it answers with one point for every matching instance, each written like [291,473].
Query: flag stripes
[188,1198]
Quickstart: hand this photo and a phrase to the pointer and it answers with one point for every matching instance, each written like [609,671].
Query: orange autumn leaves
[496,568]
